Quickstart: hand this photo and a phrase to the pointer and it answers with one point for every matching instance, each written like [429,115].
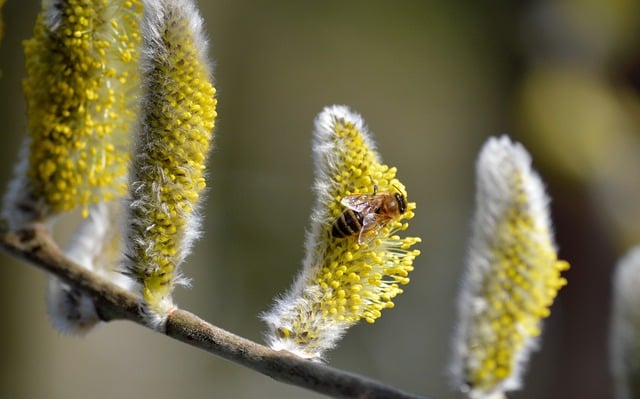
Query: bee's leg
[366,236]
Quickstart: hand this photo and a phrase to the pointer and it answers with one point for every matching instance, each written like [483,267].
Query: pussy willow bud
[178,111]
[347,276]
[512,274]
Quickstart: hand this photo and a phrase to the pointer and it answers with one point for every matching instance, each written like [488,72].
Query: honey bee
[366,214]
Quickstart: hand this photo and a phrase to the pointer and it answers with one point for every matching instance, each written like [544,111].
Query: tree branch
[36,246]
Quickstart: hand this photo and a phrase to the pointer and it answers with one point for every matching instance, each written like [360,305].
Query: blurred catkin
[625,327]
[512,274]
[81,76]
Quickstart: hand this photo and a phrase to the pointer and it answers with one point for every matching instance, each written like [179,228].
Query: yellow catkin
[179,110]
[81,70]
[526,279]
[344,281]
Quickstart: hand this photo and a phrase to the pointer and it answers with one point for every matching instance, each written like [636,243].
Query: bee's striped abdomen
[347,224]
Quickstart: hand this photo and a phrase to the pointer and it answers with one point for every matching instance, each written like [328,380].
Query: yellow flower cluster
[178,114]
[81,68]
[344,280]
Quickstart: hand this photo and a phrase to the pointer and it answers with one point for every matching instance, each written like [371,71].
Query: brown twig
[36,246]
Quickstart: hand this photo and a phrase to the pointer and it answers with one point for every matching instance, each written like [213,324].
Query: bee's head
[402,202]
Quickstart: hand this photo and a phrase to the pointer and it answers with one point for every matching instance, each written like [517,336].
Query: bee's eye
[402,202]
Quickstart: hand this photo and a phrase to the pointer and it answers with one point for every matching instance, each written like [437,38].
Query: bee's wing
[358,202]
[369,221]
[371,224]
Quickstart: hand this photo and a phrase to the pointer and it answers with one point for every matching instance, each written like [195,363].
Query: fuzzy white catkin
[19,206]
[95,245]
[625,327]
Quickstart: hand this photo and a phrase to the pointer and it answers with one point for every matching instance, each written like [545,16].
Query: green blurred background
[433,80]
